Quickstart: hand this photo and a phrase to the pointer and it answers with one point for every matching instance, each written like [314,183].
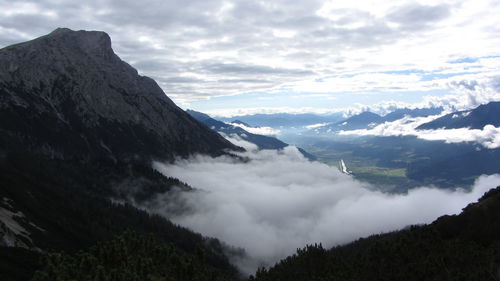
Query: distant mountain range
[278,120]
[416,112]
[475,119]
[360,121]
[367,119]
[262,142]
[331,122]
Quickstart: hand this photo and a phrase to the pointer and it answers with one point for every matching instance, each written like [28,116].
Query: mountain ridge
[262,142]
[477,118]
[359,121]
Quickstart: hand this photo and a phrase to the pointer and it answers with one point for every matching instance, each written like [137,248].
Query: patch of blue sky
[351,75]
[434,76]
[490,57]
[404,72]
[464,60]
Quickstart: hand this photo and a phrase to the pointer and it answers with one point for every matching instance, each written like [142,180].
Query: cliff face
[67,95]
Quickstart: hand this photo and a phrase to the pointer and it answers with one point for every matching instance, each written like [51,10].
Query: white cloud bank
[267,131]
[488,137]
[314,126]
[278,201]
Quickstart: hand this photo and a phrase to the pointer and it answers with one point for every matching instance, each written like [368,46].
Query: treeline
[129,257]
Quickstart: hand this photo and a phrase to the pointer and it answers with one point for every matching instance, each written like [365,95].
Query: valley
[104,177]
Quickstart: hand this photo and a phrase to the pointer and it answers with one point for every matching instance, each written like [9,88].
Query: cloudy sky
[222,56]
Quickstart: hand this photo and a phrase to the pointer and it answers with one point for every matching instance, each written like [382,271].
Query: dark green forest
[129,257]
[67,203]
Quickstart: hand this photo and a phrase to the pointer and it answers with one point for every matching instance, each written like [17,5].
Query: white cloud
[267,131]
[278,201]
[314,126]
[241,142]
[488,137]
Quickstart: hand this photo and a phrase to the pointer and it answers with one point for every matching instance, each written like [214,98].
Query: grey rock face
[67,94]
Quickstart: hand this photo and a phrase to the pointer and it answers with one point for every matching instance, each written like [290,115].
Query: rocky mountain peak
[96,43]
[71,83]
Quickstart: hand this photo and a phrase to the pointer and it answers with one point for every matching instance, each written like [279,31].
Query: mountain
[68,95]
[367,119]
[277,120]
[458,247]
[78,131]
[475,119]
[262,142]
[240,122]
[363,120]
[417,112]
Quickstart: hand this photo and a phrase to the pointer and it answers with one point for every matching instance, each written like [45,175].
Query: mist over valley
[234,140]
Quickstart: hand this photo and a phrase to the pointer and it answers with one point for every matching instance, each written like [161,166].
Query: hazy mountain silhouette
[475,119]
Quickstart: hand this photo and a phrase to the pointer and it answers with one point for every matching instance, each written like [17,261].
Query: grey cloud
[470,85]
[8,38]
[181,80]
[174,24]
[35,23]
[252,70]
[160,66]
[156,37]
[256,81]
[495,83]
[415,16]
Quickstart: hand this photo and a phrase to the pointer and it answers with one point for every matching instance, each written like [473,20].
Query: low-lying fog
[279,201]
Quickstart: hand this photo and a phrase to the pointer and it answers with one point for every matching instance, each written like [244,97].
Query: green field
[396,164]
[365,169]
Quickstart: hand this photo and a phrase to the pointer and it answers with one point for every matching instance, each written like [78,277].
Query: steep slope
[51,202]
[463,247]
[67,95]
[262,142]
[78,127]
[475,119]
